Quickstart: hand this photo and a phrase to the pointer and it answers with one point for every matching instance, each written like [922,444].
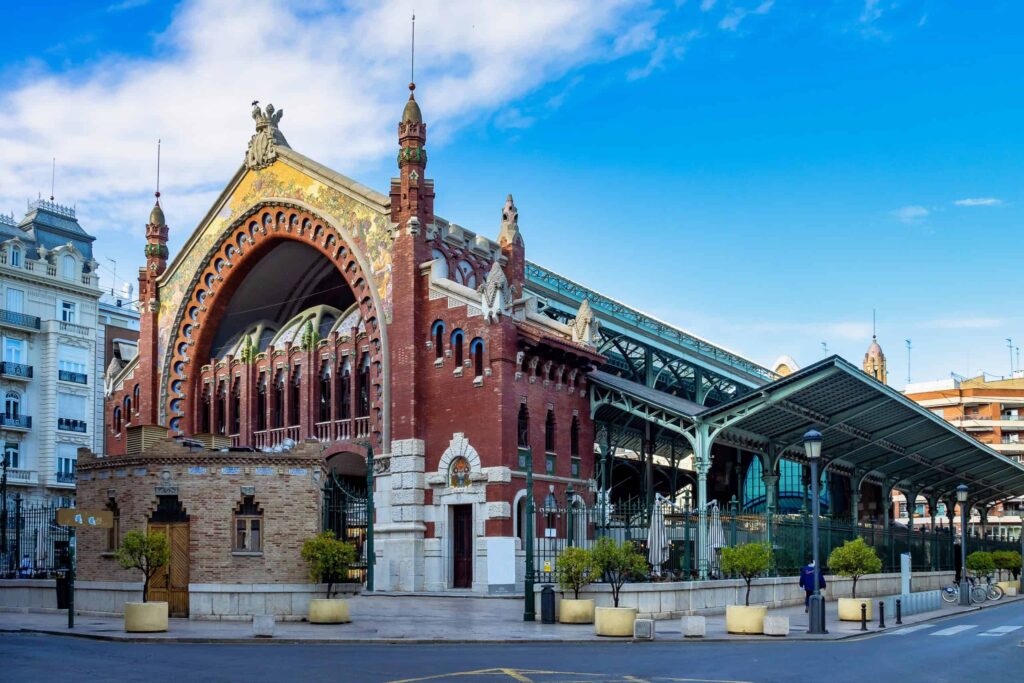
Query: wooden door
[170,584]
[462,546]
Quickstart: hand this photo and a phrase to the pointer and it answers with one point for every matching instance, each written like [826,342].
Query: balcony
[63,327]
[64,478]
[22,477]
[69,425]
[76,377]
[19,422]
[15,370]
[19,320]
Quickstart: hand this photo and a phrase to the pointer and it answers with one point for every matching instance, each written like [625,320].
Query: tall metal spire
[53,177]
[412,56]
[157,171]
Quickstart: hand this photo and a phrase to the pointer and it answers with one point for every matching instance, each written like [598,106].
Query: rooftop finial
[53,177]
[412,58]
[157,193]
[874,325]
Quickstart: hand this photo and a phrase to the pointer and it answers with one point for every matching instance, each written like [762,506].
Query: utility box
[905,574]
[547,605]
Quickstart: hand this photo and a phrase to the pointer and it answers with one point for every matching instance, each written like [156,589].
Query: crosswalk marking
[1000,631]
[911,629]
[953,630]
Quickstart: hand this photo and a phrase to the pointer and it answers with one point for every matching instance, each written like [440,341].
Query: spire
[509,223]
[411,193]
[156,216]
[874,359]
[156,230]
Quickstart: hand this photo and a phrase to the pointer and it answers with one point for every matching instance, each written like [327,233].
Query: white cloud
[871,12]
[338,71]
[731,21]
[707,5]
[664,49]
[911,215]
[979,201]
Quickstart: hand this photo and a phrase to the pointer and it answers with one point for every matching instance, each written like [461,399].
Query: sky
[761,173]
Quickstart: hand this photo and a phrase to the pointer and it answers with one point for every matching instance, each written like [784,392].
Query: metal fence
[32,545]
[559,526]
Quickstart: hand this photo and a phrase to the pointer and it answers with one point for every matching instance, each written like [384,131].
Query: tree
[576,569]
[980,563]
[144,552]
[329,559]
[618,562]
[854,559]
[1006,560]
[748,560]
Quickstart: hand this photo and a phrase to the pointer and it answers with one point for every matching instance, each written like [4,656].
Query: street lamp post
[812,449]
[965,588]
[529,606]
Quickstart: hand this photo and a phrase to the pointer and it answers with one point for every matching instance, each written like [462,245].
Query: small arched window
[344,400]
[574,438]
[437,332]
[135,398]
[295,398]
[324,412]
[69,266]
[261,403]
[236,407]
[117,420]
[457,338]
[128,409]
[16,257]
[280,386]
[364,387]
[476,352]
[12,404]
[248,527]
[523,426]
[549,432]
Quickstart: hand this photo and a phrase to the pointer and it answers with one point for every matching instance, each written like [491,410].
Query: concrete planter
[1007,585]
[614,621]
[145,617]
[743,619]
[323,611]
[849,608]
[576,611]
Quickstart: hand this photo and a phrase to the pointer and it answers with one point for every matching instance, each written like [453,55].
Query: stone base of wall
[674,599]
[28,595]
[241,602]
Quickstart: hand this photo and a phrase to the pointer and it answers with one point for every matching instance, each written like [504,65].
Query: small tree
[980,563]
[618,563]
[144,552]
[854,559]
[1006,560]
[329,559]
[576,569]
[748,560]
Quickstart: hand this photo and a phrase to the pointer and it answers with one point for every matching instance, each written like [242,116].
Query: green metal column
[569,522]
[703,458]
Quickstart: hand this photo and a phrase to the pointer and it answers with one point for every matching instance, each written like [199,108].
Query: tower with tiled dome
[874,361]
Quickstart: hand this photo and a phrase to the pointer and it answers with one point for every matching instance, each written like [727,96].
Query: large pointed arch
[225,266]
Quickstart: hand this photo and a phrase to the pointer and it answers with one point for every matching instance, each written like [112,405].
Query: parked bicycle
[992,591]
[951,593]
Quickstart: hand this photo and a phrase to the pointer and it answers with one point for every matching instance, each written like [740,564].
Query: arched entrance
[280,323]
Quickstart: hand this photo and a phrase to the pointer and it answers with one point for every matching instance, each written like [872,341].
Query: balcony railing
[65,477]
[19,319]
[69,425]
[18,476]
[73,328]
[343,430]
[270,438]
[9,369]
[16,421]
[68,376]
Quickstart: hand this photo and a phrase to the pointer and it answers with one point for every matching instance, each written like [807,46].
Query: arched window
[117,420]
[437,332]
[261,403]
[345,391]
[12,404]
[114,531]
[296,397]
[476,352]
[16,257]
[135,398]
[574,437]
[204,418]
[364,386]
[549,432]
[248,527]
[236,407]
[279,389]
[464,274]
[457,338]
[69,266]
[220,408]
[324,404]
[442,262]
[523,426]
[128,409]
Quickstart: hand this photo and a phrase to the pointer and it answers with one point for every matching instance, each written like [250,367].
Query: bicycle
[992,591]
[951,593]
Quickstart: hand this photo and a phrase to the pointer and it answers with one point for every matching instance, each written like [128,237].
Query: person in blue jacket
[807,583]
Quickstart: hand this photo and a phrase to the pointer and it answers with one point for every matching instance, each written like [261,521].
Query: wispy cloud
[707,5]
[126,5]
[513,117]
[731,21]
[665,50]
[911,215]
[979,201]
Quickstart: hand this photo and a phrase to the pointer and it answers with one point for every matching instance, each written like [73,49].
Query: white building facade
[49,295]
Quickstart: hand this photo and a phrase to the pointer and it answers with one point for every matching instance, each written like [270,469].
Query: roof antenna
[158,171]
[412,58]
[874,325]
[53,177]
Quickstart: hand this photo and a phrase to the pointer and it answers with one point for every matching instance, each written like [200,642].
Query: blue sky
[760,173]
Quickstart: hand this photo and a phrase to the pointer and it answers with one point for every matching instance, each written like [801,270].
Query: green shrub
[980,563]
[329,559]
[618,562]
[748,560]
[144,552]
[576,568]
[854,559]
[1006,560]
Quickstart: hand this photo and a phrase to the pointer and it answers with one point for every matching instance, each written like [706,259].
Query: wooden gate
[170,584]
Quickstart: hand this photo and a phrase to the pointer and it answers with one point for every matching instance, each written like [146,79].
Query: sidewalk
[427,619]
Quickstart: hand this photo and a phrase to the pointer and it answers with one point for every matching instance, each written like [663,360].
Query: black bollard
[863,616]
[881,614]
[899,611]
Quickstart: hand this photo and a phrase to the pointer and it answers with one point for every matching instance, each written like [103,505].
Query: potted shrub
[854,559]
[1008,561]
[980,564]
[329,560]
[617,563]
[146,553]
[747,561]
[576,569]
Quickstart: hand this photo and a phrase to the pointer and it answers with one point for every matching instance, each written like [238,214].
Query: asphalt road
[981,647]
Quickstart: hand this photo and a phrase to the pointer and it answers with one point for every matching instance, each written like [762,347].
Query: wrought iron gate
[345,515]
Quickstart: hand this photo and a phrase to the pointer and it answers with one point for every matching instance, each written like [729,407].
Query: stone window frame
[247,511]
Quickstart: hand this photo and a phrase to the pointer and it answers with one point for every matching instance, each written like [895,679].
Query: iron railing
[69,425]
[32,545]
[15,369]
[16,421]
[65,477]
[20,319]
[69,376]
